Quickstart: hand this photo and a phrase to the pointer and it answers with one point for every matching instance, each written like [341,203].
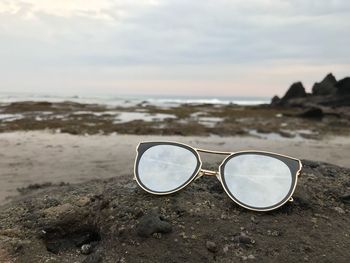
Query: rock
[296,90]
[86,249]
[302,199]
[53,247]
[152,223]
[274,233]
[59,211]
[275,100]
[5,256]
[345,199]
[94,258]
[87,236]
[243,239]
[328,93]
[343,86]
[249,257]
[313,113]
[83,201]
[211,246]
[339,210]
[325,87]
[322,186]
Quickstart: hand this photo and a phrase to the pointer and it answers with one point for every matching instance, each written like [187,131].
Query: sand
[39,157]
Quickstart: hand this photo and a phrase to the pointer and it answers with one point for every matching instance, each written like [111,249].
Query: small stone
[244,239]
[339,210]
[274,233]
[50,202]
[83,201]
[86,249]
[138,213]
[152,223]
[251,257]
[53,247]
[183,235]
[225,249]
[157,235]
[345,199]
[211,246]
[93,258]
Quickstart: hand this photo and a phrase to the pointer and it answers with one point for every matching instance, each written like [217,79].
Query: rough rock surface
[275,100]
[328,94]
[296,90]
[99,221]
[344,86]
[326,86]
[313,113]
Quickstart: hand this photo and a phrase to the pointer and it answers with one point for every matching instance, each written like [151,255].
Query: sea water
[130,100]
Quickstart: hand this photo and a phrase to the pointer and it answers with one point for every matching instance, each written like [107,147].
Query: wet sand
[38,157]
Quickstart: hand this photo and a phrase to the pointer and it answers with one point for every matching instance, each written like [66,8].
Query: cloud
[128,35]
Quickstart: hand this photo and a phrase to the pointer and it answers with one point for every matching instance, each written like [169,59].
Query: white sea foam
[10,117]
[127,101]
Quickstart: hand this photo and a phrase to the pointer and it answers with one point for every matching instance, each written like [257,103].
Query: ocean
[129,100]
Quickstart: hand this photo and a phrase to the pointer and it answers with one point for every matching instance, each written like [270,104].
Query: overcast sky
[204,47]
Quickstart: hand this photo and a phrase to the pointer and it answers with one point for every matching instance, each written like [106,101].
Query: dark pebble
[345,199]
[152,223]
[86,249]
[93,258]
[313,113]
[53,247]
[243,239]
[211,246]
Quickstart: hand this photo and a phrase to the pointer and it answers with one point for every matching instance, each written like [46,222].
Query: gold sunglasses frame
[199,172]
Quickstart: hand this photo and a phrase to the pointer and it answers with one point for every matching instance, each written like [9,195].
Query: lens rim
[144,146]
[293,164]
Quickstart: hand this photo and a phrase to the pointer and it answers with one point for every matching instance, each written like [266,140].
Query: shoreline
[38,157]
[184,120]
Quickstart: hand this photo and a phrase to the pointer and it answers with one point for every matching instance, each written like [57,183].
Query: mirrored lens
[257,180]
[163,168]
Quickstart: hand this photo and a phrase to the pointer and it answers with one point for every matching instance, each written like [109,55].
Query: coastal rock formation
[329,93]
[325,87]
[275,100]
[297,90]
[115,221]
[312,113]
[343,86]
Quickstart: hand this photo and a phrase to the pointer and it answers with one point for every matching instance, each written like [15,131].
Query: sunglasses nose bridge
[203,172]
[208,172]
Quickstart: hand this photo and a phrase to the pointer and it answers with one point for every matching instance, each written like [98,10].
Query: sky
[175,47]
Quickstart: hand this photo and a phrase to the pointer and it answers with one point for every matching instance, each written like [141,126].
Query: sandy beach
[39,157]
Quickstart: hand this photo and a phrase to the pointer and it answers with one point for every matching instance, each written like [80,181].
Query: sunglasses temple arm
[214,152]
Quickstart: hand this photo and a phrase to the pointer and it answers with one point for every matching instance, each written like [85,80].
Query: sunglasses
[256,180]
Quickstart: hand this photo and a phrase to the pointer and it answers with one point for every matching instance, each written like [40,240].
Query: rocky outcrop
[116,221]
[297,90]
[343,86]
[312,113]
[325,87]
[327,93]
[275,100]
